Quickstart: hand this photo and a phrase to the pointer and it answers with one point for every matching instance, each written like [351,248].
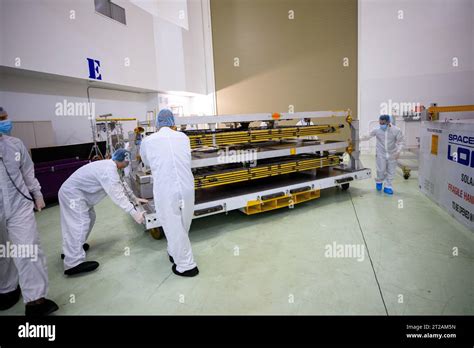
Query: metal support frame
[240,202]
[432,113]
[194,120]
[202,160]
[337,176]
[355,163]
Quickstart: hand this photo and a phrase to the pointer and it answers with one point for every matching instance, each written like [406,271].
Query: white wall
[411,59]
[185,69]
[164,52]
[169,56]
[183,62]
[47,37]
[194,50]
[2,30]
[164,56]
[32,99]
[188,104]
[174,11]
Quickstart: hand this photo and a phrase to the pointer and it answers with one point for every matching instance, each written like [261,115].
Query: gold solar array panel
[230,176]
[257,135]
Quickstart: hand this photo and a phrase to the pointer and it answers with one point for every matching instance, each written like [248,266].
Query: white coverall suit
[168,154]
[18,224]
[389,145]
[304,123]
[78,195]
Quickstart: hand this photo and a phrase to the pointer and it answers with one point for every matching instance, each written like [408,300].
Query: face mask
[6,127]
[384,127]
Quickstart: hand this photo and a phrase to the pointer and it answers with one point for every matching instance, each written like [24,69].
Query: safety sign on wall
[447,167]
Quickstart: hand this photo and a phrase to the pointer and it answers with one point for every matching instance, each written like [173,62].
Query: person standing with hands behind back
[20,192]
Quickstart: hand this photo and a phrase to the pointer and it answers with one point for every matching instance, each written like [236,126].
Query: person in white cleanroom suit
[388,148]
[168,154]
[78,195]
[21,273]
[307,122]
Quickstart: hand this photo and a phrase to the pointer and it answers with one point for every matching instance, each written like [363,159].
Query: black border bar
[347,330]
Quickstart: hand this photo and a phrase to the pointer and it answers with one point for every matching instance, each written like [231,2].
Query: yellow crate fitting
[210,179]
[255,207]
[452,108]
[115,119]
[349,148]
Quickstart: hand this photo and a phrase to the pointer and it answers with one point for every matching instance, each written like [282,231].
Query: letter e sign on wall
[94,66]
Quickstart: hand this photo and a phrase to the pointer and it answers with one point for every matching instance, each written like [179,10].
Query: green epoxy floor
[274,263]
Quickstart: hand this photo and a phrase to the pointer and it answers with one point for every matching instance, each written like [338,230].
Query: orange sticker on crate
[434,144]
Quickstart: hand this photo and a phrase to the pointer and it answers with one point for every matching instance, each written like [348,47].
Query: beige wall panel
[285,62]
[44,134]
[26,132]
